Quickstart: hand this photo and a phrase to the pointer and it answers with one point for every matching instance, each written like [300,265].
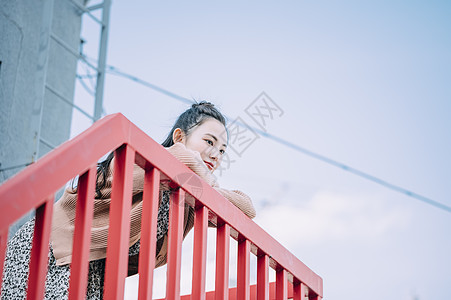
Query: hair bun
[203,104]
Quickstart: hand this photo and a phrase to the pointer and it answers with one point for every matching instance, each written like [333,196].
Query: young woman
[198,139]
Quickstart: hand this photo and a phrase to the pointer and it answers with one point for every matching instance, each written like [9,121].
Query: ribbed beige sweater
[64,210]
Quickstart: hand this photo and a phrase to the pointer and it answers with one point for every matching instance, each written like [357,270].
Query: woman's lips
[209,165]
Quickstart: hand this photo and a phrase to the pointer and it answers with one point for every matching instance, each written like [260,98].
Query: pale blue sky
[364,83]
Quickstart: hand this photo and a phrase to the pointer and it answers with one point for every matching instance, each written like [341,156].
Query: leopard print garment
[15,274]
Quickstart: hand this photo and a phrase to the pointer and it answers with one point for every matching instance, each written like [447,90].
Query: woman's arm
[239,199]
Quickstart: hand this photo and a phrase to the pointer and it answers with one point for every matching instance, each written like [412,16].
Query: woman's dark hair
[192,117]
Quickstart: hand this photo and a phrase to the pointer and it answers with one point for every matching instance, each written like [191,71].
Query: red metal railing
[34,188]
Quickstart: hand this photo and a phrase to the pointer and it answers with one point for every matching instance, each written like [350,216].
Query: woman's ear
[178,136]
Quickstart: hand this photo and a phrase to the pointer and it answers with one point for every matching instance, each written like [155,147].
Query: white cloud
[330,216]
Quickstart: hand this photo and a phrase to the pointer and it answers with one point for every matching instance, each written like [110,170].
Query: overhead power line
[355,171]
[116,71]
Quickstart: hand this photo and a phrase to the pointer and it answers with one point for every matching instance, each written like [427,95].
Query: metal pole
[98,106]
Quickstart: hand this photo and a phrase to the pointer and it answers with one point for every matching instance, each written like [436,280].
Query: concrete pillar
[37,79]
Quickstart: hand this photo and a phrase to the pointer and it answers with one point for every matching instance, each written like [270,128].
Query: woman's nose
[214,153]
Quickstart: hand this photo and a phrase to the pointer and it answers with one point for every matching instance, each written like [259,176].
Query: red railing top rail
[29,189]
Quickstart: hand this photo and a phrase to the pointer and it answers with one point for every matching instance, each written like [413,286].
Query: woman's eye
[209,142]
[222,152]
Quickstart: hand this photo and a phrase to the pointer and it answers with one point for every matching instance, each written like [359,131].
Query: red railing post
[119,226]
[263,277]
[175,235]
[298,290]
[314,297]
[82,235]
[222,262]
[40,250]
[243,285]
[3,243]
[200,253]
[148,233]
[281,285]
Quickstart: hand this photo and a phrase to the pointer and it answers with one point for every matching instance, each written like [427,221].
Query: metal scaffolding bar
[101,64]
[95,7]
[73,51]
[102,53]
[86,11]
[64,99]
[47,143]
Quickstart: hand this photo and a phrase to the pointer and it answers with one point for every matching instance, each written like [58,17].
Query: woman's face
[209,139]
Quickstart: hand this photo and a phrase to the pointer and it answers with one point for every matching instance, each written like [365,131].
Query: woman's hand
[192,160]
